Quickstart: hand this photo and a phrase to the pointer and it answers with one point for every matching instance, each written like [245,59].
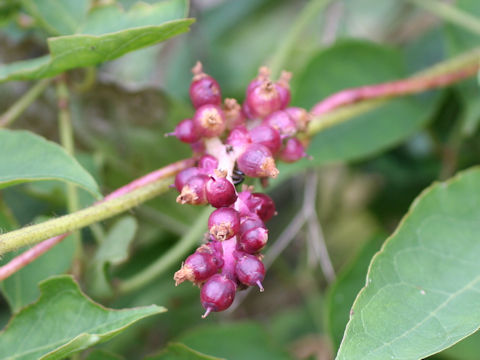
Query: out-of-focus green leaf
[177,351]
[64,321]
[467,349]
[107,33]
[423,286]
[112,251]
[103,355]
[233,341]
[350,64]
[343,292]
[26,157]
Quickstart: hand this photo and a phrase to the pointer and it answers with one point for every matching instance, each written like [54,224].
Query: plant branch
[348,103]
[130,195]
[23,103]
[451,14]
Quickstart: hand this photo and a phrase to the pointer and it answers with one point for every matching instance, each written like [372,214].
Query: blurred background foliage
[365,183]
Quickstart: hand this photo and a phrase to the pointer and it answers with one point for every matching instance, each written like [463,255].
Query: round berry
[250,271]
[184,132]
[292,151]
[250,222]
[253,240]
[262,205]
[263,75]
[233,113]
[220,192]
[217,293]
[300,116]
[224,223]
[283,88]
[209,121]
[257,161]
[263,99]
[194,192]
[183,176]
[207,164]
[204,89]
[267,136]
[281,121]
[197,268]
[239,137]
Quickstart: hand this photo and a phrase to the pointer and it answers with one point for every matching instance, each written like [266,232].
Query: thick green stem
[23,103]
[451,14]
[173,256]
[33,234]
[301,22]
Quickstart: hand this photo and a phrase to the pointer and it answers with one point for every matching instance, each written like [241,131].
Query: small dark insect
[237,176]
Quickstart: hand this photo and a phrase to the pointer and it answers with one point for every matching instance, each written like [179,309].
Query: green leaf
[233,341]
[20,289]
[99,354]
[26,157]
[346,287]
[355,63]
[112,251]
[64,321]
[107,33]
[423,286]
[177,351]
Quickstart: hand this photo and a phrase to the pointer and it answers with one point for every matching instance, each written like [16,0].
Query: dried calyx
[231,142]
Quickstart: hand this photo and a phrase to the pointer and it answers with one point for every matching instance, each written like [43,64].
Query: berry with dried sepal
[283,88]
[300,116]
[253,240]
[197,268]
[282,122]
[217,294]
[292,151]
[262,76]
[234,115]
[209,121]
[263,99]
[220,192]
[194,192]
[250,271]
[224,223]
[267,136]
[204,89]
[185,132]
[183,176]
[257,161]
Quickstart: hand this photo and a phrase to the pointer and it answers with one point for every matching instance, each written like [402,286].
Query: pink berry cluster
[230,142]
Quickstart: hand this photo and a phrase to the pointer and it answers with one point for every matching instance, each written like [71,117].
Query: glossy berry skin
[253,240]
[205,90]
[194,192]
[183,176]
[207,164]
[185,132]
[250,271]
[197,268]
[257,161]
[282,122]
[262,205]
[217,293]
[263,100]
[267,136]
[224,223]
[209,121]
[292,151]
[249,222]
[220,192]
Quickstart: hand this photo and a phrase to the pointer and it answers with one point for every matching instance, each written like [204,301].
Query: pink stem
[394,88]
[33,253]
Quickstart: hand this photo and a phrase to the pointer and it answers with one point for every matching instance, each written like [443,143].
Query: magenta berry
[209,121]
[262,205]
[194,192]
[204,89]
[250,222]
[292,151]
[253,240]
[234,115]
[283,88]
[281,121]
[197,268]
[220,192]
[239,137]
[257,161]
[224,223]
[263,99]
[207,164]
[250,271]
[217,293]
[267,136]
[300,116]
[263,75]
[185,132]
[183,176]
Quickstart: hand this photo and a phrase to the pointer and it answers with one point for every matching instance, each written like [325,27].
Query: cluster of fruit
[230,142]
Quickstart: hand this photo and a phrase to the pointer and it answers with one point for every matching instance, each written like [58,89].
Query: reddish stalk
[36,251]
[389,89]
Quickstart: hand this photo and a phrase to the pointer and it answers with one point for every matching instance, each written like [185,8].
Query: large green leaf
[107,33]
[355,63]
[63,321]
[26,157]
[423,288]
[177,351]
